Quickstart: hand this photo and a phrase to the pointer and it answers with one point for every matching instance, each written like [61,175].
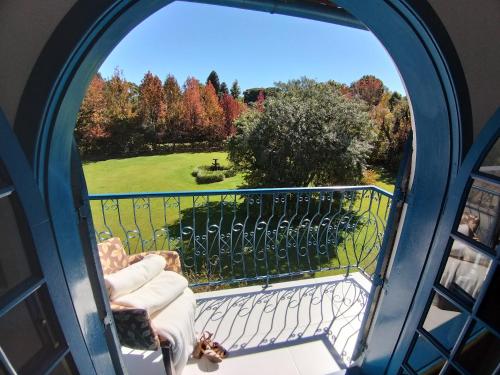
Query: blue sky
[258,49]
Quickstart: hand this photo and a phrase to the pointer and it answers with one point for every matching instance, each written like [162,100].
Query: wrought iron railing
[233,236]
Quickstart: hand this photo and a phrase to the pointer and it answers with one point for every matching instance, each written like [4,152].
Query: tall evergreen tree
[235,89]
[213,78]
[223,89]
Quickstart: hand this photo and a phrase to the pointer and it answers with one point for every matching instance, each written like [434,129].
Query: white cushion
[134,276]
[156,293]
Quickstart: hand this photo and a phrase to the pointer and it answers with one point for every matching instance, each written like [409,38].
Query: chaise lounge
[147,314]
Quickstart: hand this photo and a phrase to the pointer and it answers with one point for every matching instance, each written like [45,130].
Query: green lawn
[154,173]
[162,217]
[168,173]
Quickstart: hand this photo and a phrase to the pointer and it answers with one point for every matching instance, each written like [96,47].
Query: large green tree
[308,133]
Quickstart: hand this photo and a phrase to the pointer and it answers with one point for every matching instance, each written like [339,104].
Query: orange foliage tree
[174,126]
[369,88]
[151,105]
[194,114]
[214,125]
[232,109]
[92,120]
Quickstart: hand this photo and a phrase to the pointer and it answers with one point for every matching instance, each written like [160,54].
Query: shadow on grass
[386,176]
[251,239]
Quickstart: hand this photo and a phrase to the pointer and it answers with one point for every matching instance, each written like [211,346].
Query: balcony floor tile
[298,327]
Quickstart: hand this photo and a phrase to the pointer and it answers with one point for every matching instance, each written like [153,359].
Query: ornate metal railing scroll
[231,236]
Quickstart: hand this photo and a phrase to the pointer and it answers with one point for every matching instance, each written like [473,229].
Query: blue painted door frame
[414,38]
[451,216]
[23,184]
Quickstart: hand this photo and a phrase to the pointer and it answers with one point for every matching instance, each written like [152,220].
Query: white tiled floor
[299,327]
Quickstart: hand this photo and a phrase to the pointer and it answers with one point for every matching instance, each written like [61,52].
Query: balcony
[283,276]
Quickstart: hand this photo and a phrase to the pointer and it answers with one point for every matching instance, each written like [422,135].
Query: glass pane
[424,358]
[4,177]
[491,164]
[481,213]
[65,367]
[452,371]
[30,334]
[465,272]
[444,324]
[17,255]
[489,310]
[481,352]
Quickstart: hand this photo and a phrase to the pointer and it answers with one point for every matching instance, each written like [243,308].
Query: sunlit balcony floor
[297,327]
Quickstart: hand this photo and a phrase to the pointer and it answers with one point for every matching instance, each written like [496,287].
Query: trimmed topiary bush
[208,177]
[206,174]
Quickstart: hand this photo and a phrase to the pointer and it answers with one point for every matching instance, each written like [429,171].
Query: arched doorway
[89,32]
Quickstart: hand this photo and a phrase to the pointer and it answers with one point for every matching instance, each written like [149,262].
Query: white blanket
[134,276]
[156,293]
[176,324]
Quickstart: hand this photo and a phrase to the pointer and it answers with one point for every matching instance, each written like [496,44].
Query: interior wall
[474,27]
[25,27]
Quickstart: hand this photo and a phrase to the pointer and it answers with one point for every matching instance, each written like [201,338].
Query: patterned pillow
[112,255]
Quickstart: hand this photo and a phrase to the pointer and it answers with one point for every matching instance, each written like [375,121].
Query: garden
[301,134]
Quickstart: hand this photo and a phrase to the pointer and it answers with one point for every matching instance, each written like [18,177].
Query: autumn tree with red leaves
[213,128]
[92,120]
[194,113]
[232,109]
[174,127]
[369,88]
[259,104]
[151,105]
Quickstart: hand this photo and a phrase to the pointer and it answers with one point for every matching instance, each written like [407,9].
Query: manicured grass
[385,180]
[154,173]
[170,173]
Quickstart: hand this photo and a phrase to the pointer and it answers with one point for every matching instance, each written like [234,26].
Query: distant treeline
[120,118]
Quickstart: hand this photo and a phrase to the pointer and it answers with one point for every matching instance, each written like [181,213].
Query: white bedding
[155,294]
[176,324]
[134,276]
